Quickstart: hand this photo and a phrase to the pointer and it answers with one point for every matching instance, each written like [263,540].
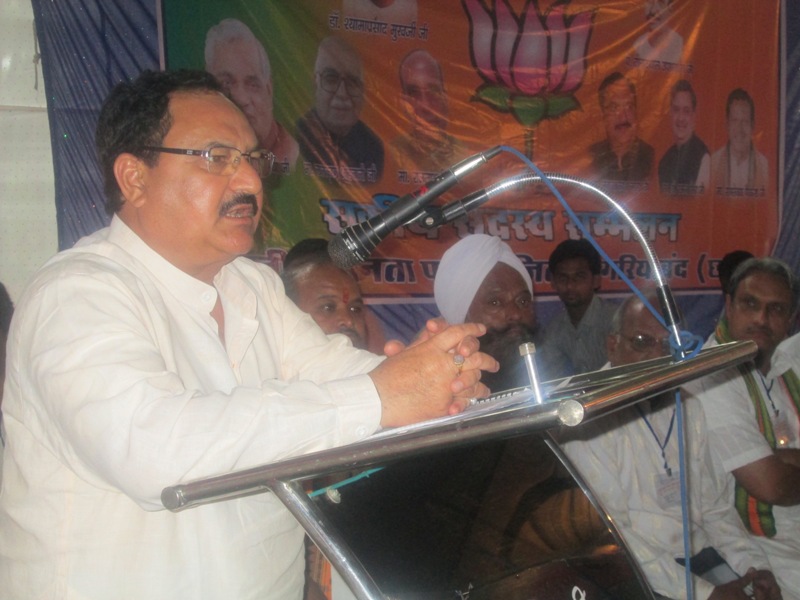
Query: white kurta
[118,386]
[620,459]
[735,441]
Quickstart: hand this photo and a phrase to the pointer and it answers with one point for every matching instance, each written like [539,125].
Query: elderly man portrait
[738,164]
[426,146]
[481,280]
[752,412]
[660,42]
[630,459]
[334,142]
[239,61]
[153,353]
[623,155]
[685,167]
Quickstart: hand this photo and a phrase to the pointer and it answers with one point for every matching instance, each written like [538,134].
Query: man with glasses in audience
[630,459]
[153,354]
[752,412]
[334,142]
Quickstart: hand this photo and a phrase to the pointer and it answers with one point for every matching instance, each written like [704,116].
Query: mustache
[624,125]
[504,342]
[245,199]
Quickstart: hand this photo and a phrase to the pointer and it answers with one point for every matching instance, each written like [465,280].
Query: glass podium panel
[502,519]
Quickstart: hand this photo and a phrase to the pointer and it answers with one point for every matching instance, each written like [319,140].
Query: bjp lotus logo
[533,63]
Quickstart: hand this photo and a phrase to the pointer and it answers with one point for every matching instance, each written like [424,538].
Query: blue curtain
[87,47]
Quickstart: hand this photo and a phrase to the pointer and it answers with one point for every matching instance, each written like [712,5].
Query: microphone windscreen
[342,256]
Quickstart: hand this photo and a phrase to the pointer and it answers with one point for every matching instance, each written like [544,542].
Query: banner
[659,103]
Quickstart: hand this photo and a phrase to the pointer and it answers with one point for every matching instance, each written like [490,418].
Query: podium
[500,510]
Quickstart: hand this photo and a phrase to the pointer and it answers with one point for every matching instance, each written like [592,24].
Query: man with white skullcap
[481,280]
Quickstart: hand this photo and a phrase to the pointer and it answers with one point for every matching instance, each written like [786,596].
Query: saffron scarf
[756,515]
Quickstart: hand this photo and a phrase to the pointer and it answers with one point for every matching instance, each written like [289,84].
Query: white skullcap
[464,267]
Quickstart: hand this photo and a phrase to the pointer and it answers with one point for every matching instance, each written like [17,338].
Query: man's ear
[728,303]
[129,172]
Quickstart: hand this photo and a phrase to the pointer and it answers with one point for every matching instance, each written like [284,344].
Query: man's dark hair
[136,114]
[682,85]
[307,253]
[771,266]
[728,265]
[610,80]
[740,95]
[581,248]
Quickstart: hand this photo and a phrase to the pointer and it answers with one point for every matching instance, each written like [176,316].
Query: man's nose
[246,178]
[760,315]
[341,91]
[238,95]
[514,313]
[344,318]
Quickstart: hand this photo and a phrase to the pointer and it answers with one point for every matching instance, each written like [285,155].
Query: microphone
[355,243]
[436,216]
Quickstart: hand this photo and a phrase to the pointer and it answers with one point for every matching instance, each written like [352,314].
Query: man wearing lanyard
[631,461]
[752,413]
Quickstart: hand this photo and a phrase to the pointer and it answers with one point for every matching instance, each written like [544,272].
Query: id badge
[783,432]
[668,489]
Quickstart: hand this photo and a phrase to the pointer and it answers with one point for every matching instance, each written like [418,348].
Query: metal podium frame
[571,402]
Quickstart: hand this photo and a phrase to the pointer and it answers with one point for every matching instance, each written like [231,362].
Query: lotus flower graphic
[533,63]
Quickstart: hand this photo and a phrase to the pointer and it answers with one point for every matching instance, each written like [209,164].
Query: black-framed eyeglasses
[330,80]
[645,343]
[224,160]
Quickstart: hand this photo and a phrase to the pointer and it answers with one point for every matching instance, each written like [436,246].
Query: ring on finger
[458,360]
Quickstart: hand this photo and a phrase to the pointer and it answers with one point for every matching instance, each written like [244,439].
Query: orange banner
[670,107]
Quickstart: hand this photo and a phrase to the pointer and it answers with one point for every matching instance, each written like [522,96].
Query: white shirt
[118,386]
[735,441]
[568,349]
[669,47]
[621,461]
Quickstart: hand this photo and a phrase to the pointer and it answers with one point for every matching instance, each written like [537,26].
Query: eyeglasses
[330,80]
[645,343]
[615,108]
[224,160]
[749,304]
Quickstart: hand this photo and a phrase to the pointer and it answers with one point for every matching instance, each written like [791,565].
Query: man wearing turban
[481,280]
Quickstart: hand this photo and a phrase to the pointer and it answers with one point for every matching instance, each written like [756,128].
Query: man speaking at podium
[152,354]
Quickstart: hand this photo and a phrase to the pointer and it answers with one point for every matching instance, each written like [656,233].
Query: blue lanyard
[768,389]
[663,446]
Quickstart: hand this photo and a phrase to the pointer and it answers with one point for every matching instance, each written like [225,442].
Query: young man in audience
[575,340]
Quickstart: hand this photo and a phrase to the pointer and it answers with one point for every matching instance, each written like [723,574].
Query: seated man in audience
[752,413]
[329,294]
[481,280]
[630,460]
[575,340]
